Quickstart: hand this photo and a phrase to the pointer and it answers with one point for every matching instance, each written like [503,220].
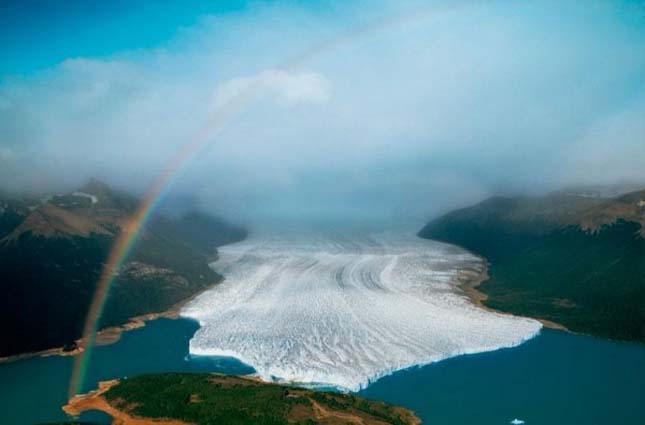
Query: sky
[352,109]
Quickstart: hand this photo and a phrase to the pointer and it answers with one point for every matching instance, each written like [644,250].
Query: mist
[407,110]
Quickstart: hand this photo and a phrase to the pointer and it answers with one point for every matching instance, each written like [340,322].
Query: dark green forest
[589,281]
[215,399]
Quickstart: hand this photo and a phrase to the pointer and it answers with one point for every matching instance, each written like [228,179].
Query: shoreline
[469,287]
[112,334]
[469,281]
[94,400]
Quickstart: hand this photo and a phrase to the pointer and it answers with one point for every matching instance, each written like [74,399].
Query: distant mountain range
[574,258]
[52,253]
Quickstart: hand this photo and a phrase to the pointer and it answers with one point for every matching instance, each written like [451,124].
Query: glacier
[342,310]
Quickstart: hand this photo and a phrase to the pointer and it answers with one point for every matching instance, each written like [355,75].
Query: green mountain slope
[577,261]
[50,263]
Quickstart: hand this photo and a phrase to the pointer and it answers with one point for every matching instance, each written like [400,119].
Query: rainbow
[133,226]
[131,229]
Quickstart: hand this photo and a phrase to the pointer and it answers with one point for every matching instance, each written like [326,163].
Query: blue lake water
[556,378]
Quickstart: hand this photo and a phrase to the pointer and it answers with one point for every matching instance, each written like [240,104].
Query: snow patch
[93,198]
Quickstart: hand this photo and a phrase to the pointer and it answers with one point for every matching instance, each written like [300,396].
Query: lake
[555,378]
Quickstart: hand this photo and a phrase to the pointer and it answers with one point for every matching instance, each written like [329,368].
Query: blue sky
[407,108]
[37,34]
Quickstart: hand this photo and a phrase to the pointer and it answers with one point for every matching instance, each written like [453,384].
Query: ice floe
[342,311]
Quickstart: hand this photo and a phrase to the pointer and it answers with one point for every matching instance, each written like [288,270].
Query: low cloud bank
[401,120]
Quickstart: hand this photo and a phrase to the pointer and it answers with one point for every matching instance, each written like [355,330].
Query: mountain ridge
[574,260]
[52,258]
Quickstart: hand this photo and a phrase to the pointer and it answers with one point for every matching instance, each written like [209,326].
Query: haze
[409,109]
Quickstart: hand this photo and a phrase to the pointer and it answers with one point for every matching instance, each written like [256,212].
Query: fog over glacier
[342,310]
[417,106]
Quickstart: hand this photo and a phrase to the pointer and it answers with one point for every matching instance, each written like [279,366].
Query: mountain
[52,254]
[567,257]
[204,399]
[205,232]
[12,213]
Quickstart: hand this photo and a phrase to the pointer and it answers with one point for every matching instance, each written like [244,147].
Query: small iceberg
[517,421]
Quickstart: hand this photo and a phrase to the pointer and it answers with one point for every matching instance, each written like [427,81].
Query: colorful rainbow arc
[131,229]
[133,226]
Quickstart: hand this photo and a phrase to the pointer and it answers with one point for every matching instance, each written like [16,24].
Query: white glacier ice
[342,311]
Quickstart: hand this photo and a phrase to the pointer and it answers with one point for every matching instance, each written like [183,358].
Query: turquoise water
[556,378]
[34,390]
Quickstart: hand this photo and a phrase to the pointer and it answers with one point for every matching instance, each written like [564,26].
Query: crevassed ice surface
[342,311]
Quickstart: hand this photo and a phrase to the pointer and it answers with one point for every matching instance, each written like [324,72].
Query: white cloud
[611,148]
[290,87]
[413,118]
